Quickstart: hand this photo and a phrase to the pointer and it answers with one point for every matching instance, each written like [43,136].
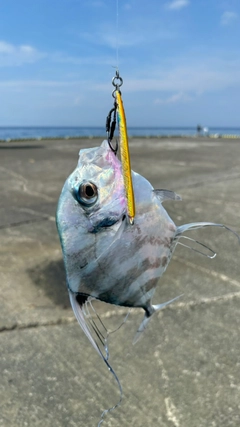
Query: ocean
[7,133]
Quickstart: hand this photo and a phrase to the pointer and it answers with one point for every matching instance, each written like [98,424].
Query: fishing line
[117,34]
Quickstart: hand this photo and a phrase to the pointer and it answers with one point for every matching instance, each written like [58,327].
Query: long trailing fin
[211,254]
[121,324]
[80,316]
[163,195]
[196,225]
[97,333]
[147,317]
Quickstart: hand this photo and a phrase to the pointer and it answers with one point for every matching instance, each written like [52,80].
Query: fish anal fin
[78,304]
[163,195]
[152,309]
[97,334]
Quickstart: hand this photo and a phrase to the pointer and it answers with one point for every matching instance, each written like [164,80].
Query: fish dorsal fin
[163,195]
[205,250]
[196,225]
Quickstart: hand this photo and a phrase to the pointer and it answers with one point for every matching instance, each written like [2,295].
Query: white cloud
[179,79]
[186,75]
[29,50]
[177,4]
[228,18]
[126,39]
[63,58]
[173,99]
[38,83]
[78,100]
[15,55]
[6,48]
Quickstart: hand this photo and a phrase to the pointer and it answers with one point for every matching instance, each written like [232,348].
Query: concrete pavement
[185,370]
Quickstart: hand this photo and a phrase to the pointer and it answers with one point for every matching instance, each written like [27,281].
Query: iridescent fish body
[105,256]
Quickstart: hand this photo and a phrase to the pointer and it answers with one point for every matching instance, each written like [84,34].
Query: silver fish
[105,257]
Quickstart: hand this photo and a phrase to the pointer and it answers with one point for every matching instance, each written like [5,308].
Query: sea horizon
[38,132]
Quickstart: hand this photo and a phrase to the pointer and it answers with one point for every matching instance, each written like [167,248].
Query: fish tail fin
[151,310]
[205,250]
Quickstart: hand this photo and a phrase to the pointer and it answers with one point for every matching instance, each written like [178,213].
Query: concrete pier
[184,372]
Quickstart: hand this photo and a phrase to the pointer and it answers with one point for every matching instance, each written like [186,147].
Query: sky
[179,60]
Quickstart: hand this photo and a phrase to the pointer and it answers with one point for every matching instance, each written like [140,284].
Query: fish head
[90,208]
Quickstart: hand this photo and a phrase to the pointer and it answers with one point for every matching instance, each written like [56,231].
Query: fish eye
[87,193]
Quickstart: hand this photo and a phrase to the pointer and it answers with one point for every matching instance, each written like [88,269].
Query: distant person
[205,131]
[199,129]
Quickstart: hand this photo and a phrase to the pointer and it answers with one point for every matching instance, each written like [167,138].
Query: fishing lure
[117,82]
[106,256]
[125,158]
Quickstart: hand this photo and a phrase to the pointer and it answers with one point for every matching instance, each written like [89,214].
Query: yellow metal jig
[117,112]
[125,158]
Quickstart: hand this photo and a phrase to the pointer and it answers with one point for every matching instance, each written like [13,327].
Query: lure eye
[87,193]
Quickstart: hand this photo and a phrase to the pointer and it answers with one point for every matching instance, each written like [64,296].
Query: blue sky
[179,59]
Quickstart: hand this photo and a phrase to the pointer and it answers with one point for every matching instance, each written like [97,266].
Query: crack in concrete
[120,312]
[211,179]
[218,202]
[171,411]
[205,270]
[19,326]
[36,213]
[22,183]
[26,221]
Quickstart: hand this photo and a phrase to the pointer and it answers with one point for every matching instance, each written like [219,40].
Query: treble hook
[110,127]
[111,122]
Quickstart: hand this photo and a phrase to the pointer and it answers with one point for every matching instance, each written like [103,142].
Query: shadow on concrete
[50,277]
[19,147]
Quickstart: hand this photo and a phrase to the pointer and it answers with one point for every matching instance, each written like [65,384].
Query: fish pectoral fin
[148,315]
[163,195]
